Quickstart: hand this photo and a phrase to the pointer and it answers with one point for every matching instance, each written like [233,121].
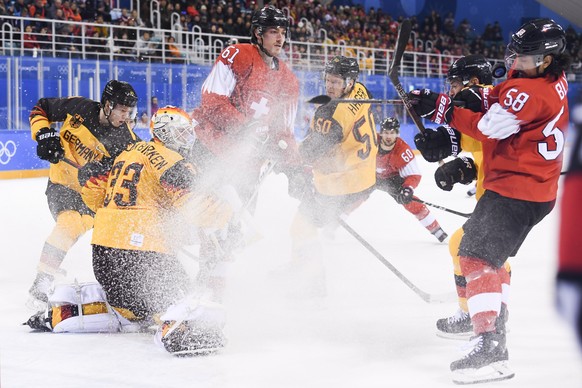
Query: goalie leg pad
[80,308]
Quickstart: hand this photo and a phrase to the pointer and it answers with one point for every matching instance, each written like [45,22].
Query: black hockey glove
[472,97]
[460,170]
[300,179]
[569,300]
[437,144]
[49,145]
[435,107]
[95,169]
[405,195]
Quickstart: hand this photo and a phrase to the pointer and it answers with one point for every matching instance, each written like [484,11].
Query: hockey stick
[428,298]
[401,42]
[71,163]
[324,99]
[467,215]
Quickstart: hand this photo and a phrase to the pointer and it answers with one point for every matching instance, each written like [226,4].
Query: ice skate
[440,234]
[487,361]
[185,339]
[458,326]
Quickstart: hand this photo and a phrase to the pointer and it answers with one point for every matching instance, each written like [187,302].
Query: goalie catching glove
[437,144]
[460,170]
[432,106]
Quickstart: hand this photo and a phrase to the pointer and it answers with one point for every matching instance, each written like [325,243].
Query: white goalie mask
[173,127]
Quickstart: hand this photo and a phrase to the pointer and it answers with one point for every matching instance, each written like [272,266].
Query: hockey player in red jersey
[522,135]
[249,104]
[569,279]
[397,173]
[245,122]
[470,79]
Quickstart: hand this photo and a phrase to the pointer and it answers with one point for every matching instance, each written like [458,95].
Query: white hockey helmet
[173,127]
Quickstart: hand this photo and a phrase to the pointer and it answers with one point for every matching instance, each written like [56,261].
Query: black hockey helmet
[390,124]
[538,37]
[464,68]
[268,16]
[119,92]
[345,67]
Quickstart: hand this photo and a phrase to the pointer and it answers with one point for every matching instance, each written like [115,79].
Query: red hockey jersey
[525,165]
[399,161]
[242,89]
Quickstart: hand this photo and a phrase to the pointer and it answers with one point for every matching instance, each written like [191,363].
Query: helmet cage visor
[516,61]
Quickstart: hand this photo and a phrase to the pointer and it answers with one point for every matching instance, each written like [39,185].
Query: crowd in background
[311,21]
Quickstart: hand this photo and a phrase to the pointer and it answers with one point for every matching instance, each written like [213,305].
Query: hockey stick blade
[428,298]
[466,215]
[401,42]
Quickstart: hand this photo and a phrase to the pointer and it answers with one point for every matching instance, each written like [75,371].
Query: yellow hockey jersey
[342,145]
[83,137]
[149,201]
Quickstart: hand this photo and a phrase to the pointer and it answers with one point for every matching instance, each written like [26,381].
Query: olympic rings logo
[7,151]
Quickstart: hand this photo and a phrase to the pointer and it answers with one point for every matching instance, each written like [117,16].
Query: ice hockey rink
[370,330]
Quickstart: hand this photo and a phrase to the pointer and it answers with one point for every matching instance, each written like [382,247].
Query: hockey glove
[49,145]
[437,144]
[460,170]
[435,107]
[569,300]
[405,195]
[472,97]
[299,182]
[96,169]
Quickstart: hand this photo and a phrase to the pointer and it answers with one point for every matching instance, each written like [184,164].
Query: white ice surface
[370,331]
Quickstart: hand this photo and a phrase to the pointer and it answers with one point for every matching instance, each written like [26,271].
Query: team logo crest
[76,121]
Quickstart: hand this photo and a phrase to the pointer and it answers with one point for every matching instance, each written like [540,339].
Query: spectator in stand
[44,41]
[155,105]
[124,48]
[52,10]
[68,44]
[173,52]
[30,43]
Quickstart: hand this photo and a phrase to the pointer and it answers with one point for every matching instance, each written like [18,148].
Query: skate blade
[496,371]
[196,353]
[455,336]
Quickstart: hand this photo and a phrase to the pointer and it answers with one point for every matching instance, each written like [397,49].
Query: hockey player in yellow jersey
[470,80]
[92,134]
[150,194]
[341,148]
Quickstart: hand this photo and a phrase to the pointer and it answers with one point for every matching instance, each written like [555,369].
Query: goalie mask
[173,127]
